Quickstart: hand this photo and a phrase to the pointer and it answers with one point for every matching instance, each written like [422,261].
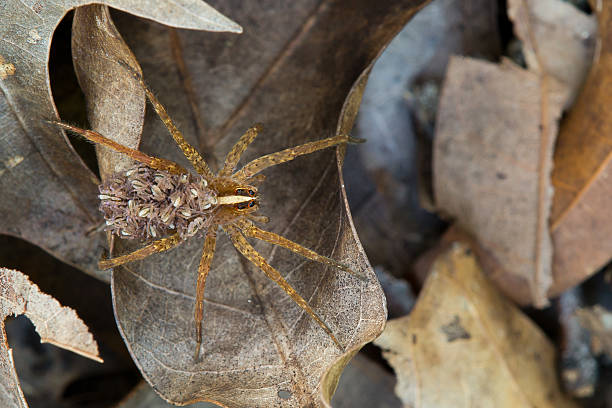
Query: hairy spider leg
[198,162]
[153,162]
[243,246]
[207,257]
[252,231]
[232,158]
[252,168]
[160,245]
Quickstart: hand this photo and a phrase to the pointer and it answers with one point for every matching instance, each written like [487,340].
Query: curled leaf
[54,323]
[580,221]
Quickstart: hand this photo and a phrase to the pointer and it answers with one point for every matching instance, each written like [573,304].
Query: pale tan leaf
[54,323]
[496,128]
[44,182]
[558,40]
[465,345]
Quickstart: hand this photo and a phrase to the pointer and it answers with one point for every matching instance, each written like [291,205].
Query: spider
[161,201]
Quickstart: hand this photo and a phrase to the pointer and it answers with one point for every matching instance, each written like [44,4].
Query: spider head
[235,199]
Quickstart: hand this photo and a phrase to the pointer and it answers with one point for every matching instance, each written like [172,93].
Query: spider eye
[251,203]
[251,193]
[240,191]
[242,206]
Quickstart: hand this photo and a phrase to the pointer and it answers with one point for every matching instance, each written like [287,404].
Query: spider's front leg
[243,246]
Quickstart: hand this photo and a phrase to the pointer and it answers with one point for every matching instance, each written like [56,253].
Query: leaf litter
[183,65]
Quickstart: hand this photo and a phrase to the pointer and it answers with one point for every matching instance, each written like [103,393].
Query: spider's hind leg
[160,245]
[188,150]
[243,246]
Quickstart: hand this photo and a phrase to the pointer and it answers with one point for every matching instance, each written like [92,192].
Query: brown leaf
[496,127]
[54,323]
[48,194]
[259,348]
[580,221]
[465,345]
[558,40]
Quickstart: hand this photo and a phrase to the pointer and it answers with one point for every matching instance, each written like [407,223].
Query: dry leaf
[48,194]
[259,348]
[580,222]
[464,345]
[495,131]
[598,321]
[54,323]
[558,40]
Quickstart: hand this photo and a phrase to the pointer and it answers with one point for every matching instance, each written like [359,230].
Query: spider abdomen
[144,203]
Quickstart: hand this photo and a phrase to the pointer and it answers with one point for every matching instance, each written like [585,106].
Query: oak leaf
[297,71]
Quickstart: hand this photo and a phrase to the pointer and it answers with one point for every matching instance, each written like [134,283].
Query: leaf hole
[284,394]
[67,94]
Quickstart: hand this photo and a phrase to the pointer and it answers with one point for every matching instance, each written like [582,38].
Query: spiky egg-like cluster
[146,204]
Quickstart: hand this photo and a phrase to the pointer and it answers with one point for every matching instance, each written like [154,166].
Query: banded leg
[249,252]
[153,162]
[250,230]
[207,257]
[257,165]
[232,158]
[160,245]
[188,150]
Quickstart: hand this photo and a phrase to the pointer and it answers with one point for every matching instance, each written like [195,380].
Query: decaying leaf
[49,195]
[598,321]
[465,345]
[496,127]
[558,40]
[291,70]
[54,323]
[259,348]
[580,222]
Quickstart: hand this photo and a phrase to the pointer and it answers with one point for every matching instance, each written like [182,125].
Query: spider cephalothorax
[161,201]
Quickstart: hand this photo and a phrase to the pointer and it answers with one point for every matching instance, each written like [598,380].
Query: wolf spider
[159,197]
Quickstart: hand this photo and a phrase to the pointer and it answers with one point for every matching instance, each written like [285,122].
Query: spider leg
[257,165]
[160,245]
[153,162]
[188,150]
[207,256]
[250,230]
[232,158]
[243,246]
